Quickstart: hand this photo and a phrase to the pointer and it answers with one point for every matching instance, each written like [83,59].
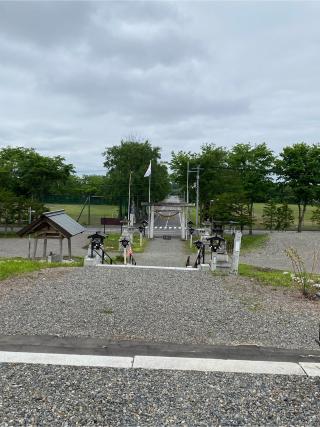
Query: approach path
[163,252]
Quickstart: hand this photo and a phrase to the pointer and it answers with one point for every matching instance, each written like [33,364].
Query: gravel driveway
[52,395]
[272,255]
[156,306]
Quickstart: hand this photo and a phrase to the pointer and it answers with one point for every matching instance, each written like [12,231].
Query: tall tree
[299,167]
[252,165]
[214,175]
[134,157]
[27,173]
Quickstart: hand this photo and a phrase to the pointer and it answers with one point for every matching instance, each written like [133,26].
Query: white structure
[169,209]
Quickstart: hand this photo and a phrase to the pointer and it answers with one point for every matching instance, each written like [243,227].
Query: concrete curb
[148,267]
[165,363]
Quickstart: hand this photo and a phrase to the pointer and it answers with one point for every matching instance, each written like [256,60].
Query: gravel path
[52,395]
[156,306]
[169,253]
[273,256]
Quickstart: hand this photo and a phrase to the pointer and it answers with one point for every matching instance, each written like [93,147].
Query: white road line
[66,359]
[311,369]
[217,365]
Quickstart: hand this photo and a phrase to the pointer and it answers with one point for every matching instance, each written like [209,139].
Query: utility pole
[197,170]
[188,181]
[89,209]
[129,201]
[197,203]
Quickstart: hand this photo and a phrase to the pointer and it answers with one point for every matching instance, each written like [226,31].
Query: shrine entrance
[168,218]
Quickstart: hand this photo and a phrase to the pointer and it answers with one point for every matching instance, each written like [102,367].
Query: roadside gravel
[68,396]
[272,255]
[156,306]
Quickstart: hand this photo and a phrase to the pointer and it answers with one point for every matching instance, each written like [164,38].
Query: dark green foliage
[14,209]
[231,207]
[315,218]
[135,156]
[284,217]
[252,166]
[26,173]
[269,215]
[299,168]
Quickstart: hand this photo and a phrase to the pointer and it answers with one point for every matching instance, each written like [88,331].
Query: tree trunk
[302,211]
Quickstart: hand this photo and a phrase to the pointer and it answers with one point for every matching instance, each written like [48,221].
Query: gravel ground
[157,306]
[273,256]
[18,247]
[52,395]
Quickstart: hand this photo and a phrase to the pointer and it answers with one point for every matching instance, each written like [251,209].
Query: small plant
[284,217]
[107,311]
[307,281]
[269,215]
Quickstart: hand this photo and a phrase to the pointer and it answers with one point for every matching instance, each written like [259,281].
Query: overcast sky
[76,77]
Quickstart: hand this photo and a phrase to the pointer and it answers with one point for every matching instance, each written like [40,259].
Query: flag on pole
[148,172]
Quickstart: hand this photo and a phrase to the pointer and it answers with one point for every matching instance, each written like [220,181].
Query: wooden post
[35,244]
[69,247]
[60,240]
[44,248]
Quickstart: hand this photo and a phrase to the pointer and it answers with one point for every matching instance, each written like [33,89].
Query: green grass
[96,212]
[8,234]
[266,276]
[16,266]
[253,242]
[258,211]
[248,242]
[111,243]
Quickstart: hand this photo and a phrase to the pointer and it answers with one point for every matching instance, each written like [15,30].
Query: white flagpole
[149,219]
[129,201]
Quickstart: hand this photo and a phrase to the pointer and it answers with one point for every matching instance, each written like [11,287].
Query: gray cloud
[78,76]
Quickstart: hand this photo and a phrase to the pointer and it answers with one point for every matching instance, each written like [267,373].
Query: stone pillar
[35,244]
[60,245]
[151,225]
[236,252]
[44,248]
[183,224]
[69,247]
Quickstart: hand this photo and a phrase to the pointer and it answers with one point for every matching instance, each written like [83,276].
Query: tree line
[231,180]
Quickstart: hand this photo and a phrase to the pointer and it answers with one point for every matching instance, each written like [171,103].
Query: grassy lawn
[251,243]
[266,276]
[248,243]
[97,212]
[16,266]
[8,234]
[111,244]
[258,211]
